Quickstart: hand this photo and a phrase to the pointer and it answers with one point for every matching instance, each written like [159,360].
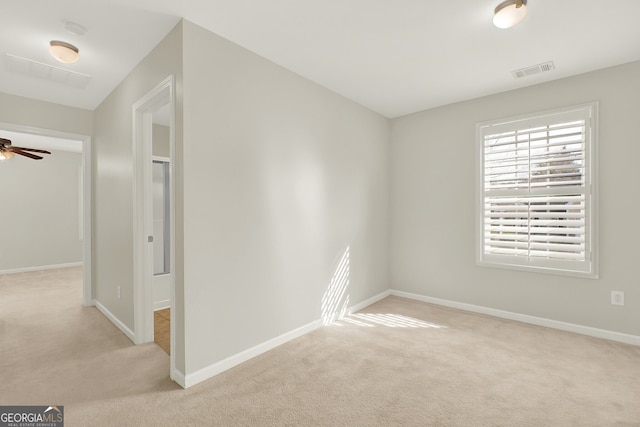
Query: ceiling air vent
[27,67]
[536,69]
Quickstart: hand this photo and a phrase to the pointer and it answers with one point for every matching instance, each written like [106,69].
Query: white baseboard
[230,362]
[161,305]
[41,267]
[370,301]
[109,315]
[540,321]
[178,377]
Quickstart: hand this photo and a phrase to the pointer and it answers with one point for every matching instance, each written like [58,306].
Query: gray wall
[40,211]
[160,146]
[45,115]
[433,182]
[280,176]
[113,177]
[16,110]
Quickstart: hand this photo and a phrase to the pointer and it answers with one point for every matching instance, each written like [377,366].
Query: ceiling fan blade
[30,149]
[24,153]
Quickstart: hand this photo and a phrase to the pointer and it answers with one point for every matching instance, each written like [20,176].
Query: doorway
[154,229]
[162,269]
[55,140]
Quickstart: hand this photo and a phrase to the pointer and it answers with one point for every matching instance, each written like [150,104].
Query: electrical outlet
[617,297]
[119,294]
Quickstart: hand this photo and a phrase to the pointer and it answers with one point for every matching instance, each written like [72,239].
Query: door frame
[87,204]
[163,94]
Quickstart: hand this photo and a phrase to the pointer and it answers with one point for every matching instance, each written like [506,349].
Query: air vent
[536,69]
[18,65]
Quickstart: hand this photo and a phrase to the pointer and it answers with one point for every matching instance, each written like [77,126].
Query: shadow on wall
[335,301]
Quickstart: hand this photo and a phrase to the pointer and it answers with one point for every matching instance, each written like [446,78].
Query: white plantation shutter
[536,182]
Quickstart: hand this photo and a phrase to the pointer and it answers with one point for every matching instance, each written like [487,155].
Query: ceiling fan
[7,151]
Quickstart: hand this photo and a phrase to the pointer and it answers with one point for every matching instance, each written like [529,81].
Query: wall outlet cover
[617,297]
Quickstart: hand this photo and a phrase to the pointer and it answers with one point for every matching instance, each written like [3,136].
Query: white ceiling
[394,57]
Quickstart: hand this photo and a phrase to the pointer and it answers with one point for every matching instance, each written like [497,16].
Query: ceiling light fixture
[6,155]
[7,151]
[509,13]
[64,52]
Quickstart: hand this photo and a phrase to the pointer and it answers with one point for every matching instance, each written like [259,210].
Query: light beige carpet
[399,362]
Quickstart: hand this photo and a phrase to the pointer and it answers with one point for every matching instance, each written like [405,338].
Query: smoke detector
[74,28]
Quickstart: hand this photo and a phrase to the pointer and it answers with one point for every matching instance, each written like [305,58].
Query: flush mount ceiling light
[64,52]
[509,13]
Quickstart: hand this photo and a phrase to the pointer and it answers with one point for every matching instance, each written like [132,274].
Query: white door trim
[143,109]
[87,205]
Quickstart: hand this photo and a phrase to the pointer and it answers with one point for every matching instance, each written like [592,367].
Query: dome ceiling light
[509,13]
[64,52]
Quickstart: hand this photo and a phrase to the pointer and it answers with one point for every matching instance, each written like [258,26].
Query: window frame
[589,267]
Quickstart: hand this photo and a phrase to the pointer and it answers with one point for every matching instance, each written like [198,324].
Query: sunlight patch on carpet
[371,320]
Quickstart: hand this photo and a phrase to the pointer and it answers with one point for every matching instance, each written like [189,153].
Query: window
[536,204]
